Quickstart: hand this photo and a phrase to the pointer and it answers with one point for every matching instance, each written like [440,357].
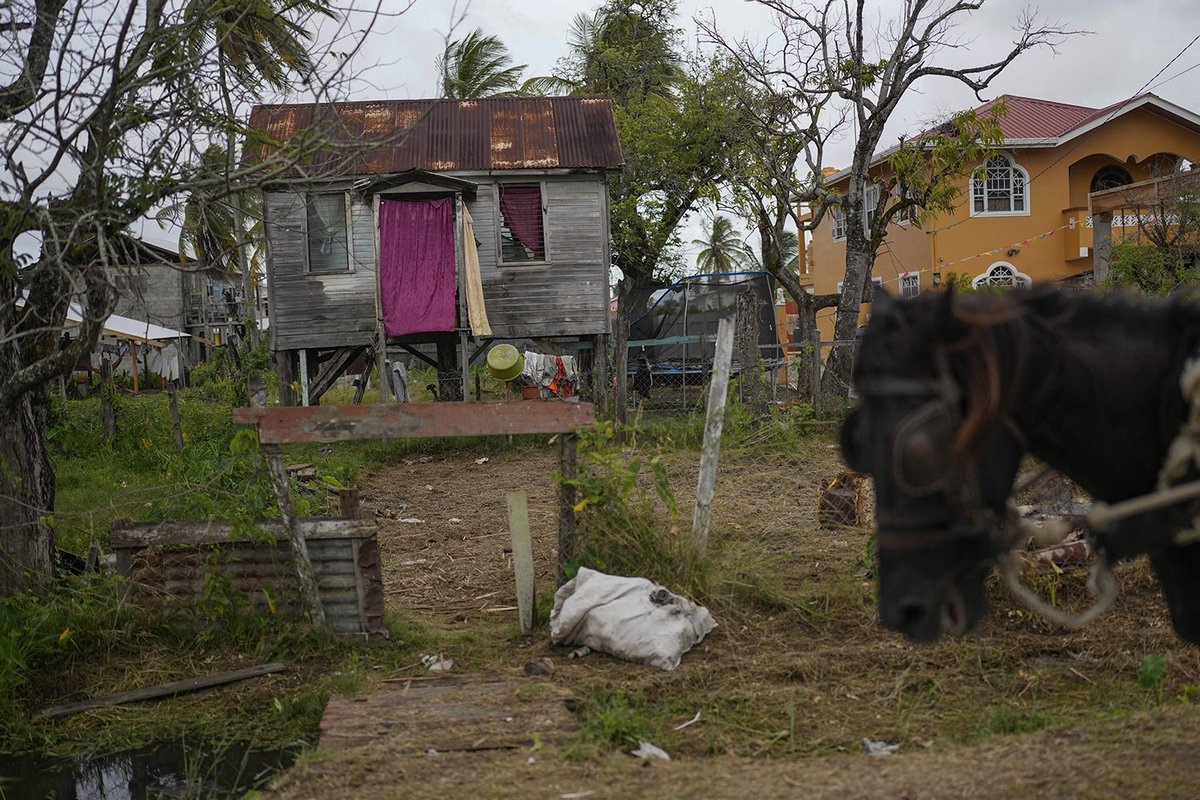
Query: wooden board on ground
[449,713]
[165,690]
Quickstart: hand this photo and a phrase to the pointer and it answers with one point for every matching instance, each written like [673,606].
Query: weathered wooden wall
[175,560]
[567,297]
[324,310]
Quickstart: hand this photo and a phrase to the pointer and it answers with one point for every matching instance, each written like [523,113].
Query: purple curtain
[522,208]
[416,266]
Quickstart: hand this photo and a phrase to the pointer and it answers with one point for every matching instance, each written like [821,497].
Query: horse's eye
[851,442]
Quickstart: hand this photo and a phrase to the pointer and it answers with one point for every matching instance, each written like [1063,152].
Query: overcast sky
[1131,40]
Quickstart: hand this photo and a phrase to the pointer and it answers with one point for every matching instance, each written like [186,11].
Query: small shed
[439,222]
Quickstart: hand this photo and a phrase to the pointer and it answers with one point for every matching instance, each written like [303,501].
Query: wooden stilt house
[439,222]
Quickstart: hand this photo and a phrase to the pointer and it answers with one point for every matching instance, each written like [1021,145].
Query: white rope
[1101,583]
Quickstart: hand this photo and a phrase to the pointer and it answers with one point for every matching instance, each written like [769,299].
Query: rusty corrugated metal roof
[387,136]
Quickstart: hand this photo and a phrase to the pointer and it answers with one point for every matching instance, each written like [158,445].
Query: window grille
[522,223]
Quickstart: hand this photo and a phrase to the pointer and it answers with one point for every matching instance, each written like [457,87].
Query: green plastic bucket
[505,362]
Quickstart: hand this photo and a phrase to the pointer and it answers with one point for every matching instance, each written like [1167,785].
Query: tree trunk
[749,357]
[26,491]
[835,385]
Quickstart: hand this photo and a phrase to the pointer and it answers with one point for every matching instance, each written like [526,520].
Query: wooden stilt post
[713,423]
[566,504]
[522,553]
[304,377]
[133,359]
[283,367]
[465,357]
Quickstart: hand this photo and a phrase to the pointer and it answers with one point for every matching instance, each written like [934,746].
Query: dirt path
[788,686]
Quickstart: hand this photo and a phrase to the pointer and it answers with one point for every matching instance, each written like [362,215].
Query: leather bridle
[934,525]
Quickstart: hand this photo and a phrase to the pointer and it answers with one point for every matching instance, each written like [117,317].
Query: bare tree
[839,61]
[106,108]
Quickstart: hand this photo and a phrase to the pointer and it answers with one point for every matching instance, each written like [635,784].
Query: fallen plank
[164,690]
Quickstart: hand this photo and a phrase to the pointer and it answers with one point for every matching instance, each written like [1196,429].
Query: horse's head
[930,430]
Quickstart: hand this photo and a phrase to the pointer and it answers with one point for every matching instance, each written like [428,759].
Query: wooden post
[713,423]
[348,502]
[522,553]
[309,592]
[566,504]
[600,380]
[283,368]
[133,359]
[304,377]
[816,372]
[176,423]
[466,366]
[106,393]
[621,361]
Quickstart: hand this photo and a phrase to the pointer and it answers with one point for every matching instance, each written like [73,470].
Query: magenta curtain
[522,207]
[416,265]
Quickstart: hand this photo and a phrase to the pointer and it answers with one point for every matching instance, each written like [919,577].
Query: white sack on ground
[630,618]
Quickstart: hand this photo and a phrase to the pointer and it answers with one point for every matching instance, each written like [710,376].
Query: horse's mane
[992,336]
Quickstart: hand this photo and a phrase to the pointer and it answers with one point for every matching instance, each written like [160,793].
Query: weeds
[627,518]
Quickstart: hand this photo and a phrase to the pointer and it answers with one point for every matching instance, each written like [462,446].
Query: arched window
[1003,274]
[1000,187]
[1110,177]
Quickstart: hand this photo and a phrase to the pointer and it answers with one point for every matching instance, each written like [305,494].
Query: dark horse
[954,389]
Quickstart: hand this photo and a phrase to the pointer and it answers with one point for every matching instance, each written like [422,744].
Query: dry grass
[799,671]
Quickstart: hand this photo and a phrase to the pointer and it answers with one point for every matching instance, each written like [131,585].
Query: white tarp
[630,618]
[120,327]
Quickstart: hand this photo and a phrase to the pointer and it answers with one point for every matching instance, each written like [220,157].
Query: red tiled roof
[389,136]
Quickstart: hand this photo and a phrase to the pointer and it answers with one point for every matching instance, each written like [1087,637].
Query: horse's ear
[881,301]
[944,315]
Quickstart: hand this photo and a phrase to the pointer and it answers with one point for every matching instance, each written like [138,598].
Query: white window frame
[838,229]
[499,217]
[1016,175]
[910,284]
[871,194]
[348,205]
[1002,273]
[877,281]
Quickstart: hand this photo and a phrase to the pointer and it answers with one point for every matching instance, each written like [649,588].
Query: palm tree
[478,66]
[789,256]
[624,49]
[258,43]
[723,250]
[209,225]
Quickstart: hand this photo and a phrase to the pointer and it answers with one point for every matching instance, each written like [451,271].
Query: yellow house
[1022,218]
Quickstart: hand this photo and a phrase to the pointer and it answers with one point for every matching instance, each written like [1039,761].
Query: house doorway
[417,266]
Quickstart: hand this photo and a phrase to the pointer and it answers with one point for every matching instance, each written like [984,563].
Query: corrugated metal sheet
[381,137]
[177,561]
[1030,118]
